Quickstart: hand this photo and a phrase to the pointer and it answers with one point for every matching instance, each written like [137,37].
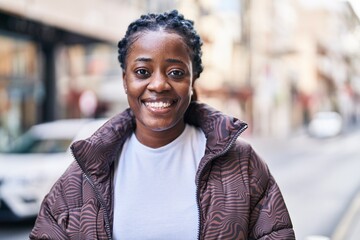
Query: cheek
[186,90]
[185,97]
[134,88]
[132,95]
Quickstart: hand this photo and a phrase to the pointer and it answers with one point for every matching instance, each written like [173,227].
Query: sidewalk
[349,226]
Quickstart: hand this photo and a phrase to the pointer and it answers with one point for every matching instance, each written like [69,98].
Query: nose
[159,83]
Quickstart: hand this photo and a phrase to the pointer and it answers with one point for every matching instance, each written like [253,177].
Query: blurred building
[301,56]
[276,63]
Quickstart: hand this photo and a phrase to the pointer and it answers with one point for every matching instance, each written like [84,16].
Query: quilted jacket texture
[237,196]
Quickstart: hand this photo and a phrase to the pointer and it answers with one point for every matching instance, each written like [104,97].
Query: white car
[30,166]
[325,125]
[89,128]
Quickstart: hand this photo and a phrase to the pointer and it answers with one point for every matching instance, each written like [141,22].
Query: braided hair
[170,22]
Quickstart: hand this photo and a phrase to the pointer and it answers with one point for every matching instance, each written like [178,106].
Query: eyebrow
[173,60]
[170,60]
[143,59]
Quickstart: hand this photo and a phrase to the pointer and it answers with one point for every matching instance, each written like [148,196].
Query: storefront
[21,89]
[28,72]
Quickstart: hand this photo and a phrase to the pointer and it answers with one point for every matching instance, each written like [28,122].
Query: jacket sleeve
[269,217]
[51,220]
[46,226]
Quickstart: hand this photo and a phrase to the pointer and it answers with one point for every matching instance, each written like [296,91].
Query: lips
[159,104]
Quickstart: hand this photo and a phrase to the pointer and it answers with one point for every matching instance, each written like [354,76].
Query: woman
[168,167]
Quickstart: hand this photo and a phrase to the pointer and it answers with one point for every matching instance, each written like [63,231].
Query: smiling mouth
[159,104]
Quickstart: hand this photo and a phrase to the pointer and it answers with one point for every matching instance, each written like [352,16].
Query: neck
[156,139]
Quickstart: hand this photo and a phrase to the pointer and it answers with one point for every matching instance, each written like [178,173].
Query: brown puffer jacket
[237,196]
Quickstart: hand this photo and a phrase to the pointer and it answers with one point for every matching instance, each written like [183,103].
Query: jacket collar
[96,154]
[220,130]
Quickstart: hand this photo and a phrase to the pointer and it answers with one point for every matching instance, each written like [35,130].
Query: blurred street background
[289,68]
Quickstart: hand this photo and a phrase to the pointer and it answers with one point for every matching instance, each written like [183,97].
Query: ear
[193,81]
[194,96]
[124,81]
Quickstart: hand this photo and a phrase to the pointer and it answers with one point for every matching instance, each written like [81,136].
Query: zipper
[227,148]
[98,197]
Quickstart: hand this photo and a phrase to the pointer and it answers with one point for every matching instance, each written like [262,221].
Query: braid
[168,21]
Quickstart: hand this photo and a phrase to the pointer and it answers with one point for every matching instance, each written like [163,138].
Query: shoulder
[247,153]
[252,164]
[66,192]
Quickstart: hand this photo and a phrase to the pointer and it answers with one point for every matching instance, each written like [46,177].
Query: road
[16,231]
[318,179]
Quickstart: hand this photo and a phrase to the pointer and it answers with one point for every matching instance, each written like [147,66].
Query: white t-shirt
[154,189]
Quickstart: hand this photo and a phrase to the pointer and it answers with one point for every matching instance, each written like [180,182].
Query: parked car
[325,124]
[89,128]
[32,164]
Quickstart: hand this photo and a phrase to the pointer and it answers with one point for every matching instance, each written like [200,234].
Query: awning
[103,20]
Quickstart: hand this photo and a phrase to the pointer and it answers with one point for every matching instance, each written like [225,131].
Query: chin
[161,128]
[156,127]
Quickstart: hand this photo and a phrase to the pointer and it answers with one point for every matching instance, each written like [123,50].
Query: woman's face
[158,80]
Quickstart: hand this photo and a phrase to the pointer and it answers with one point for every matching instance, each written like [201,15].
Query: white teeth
[158,104]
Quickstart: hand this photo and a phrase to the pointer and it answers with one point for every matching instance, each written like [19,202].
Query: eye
[142,72]
[176,73]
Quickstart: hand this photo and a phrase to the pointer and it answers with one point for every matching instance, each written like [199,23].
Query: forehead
[159,41]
